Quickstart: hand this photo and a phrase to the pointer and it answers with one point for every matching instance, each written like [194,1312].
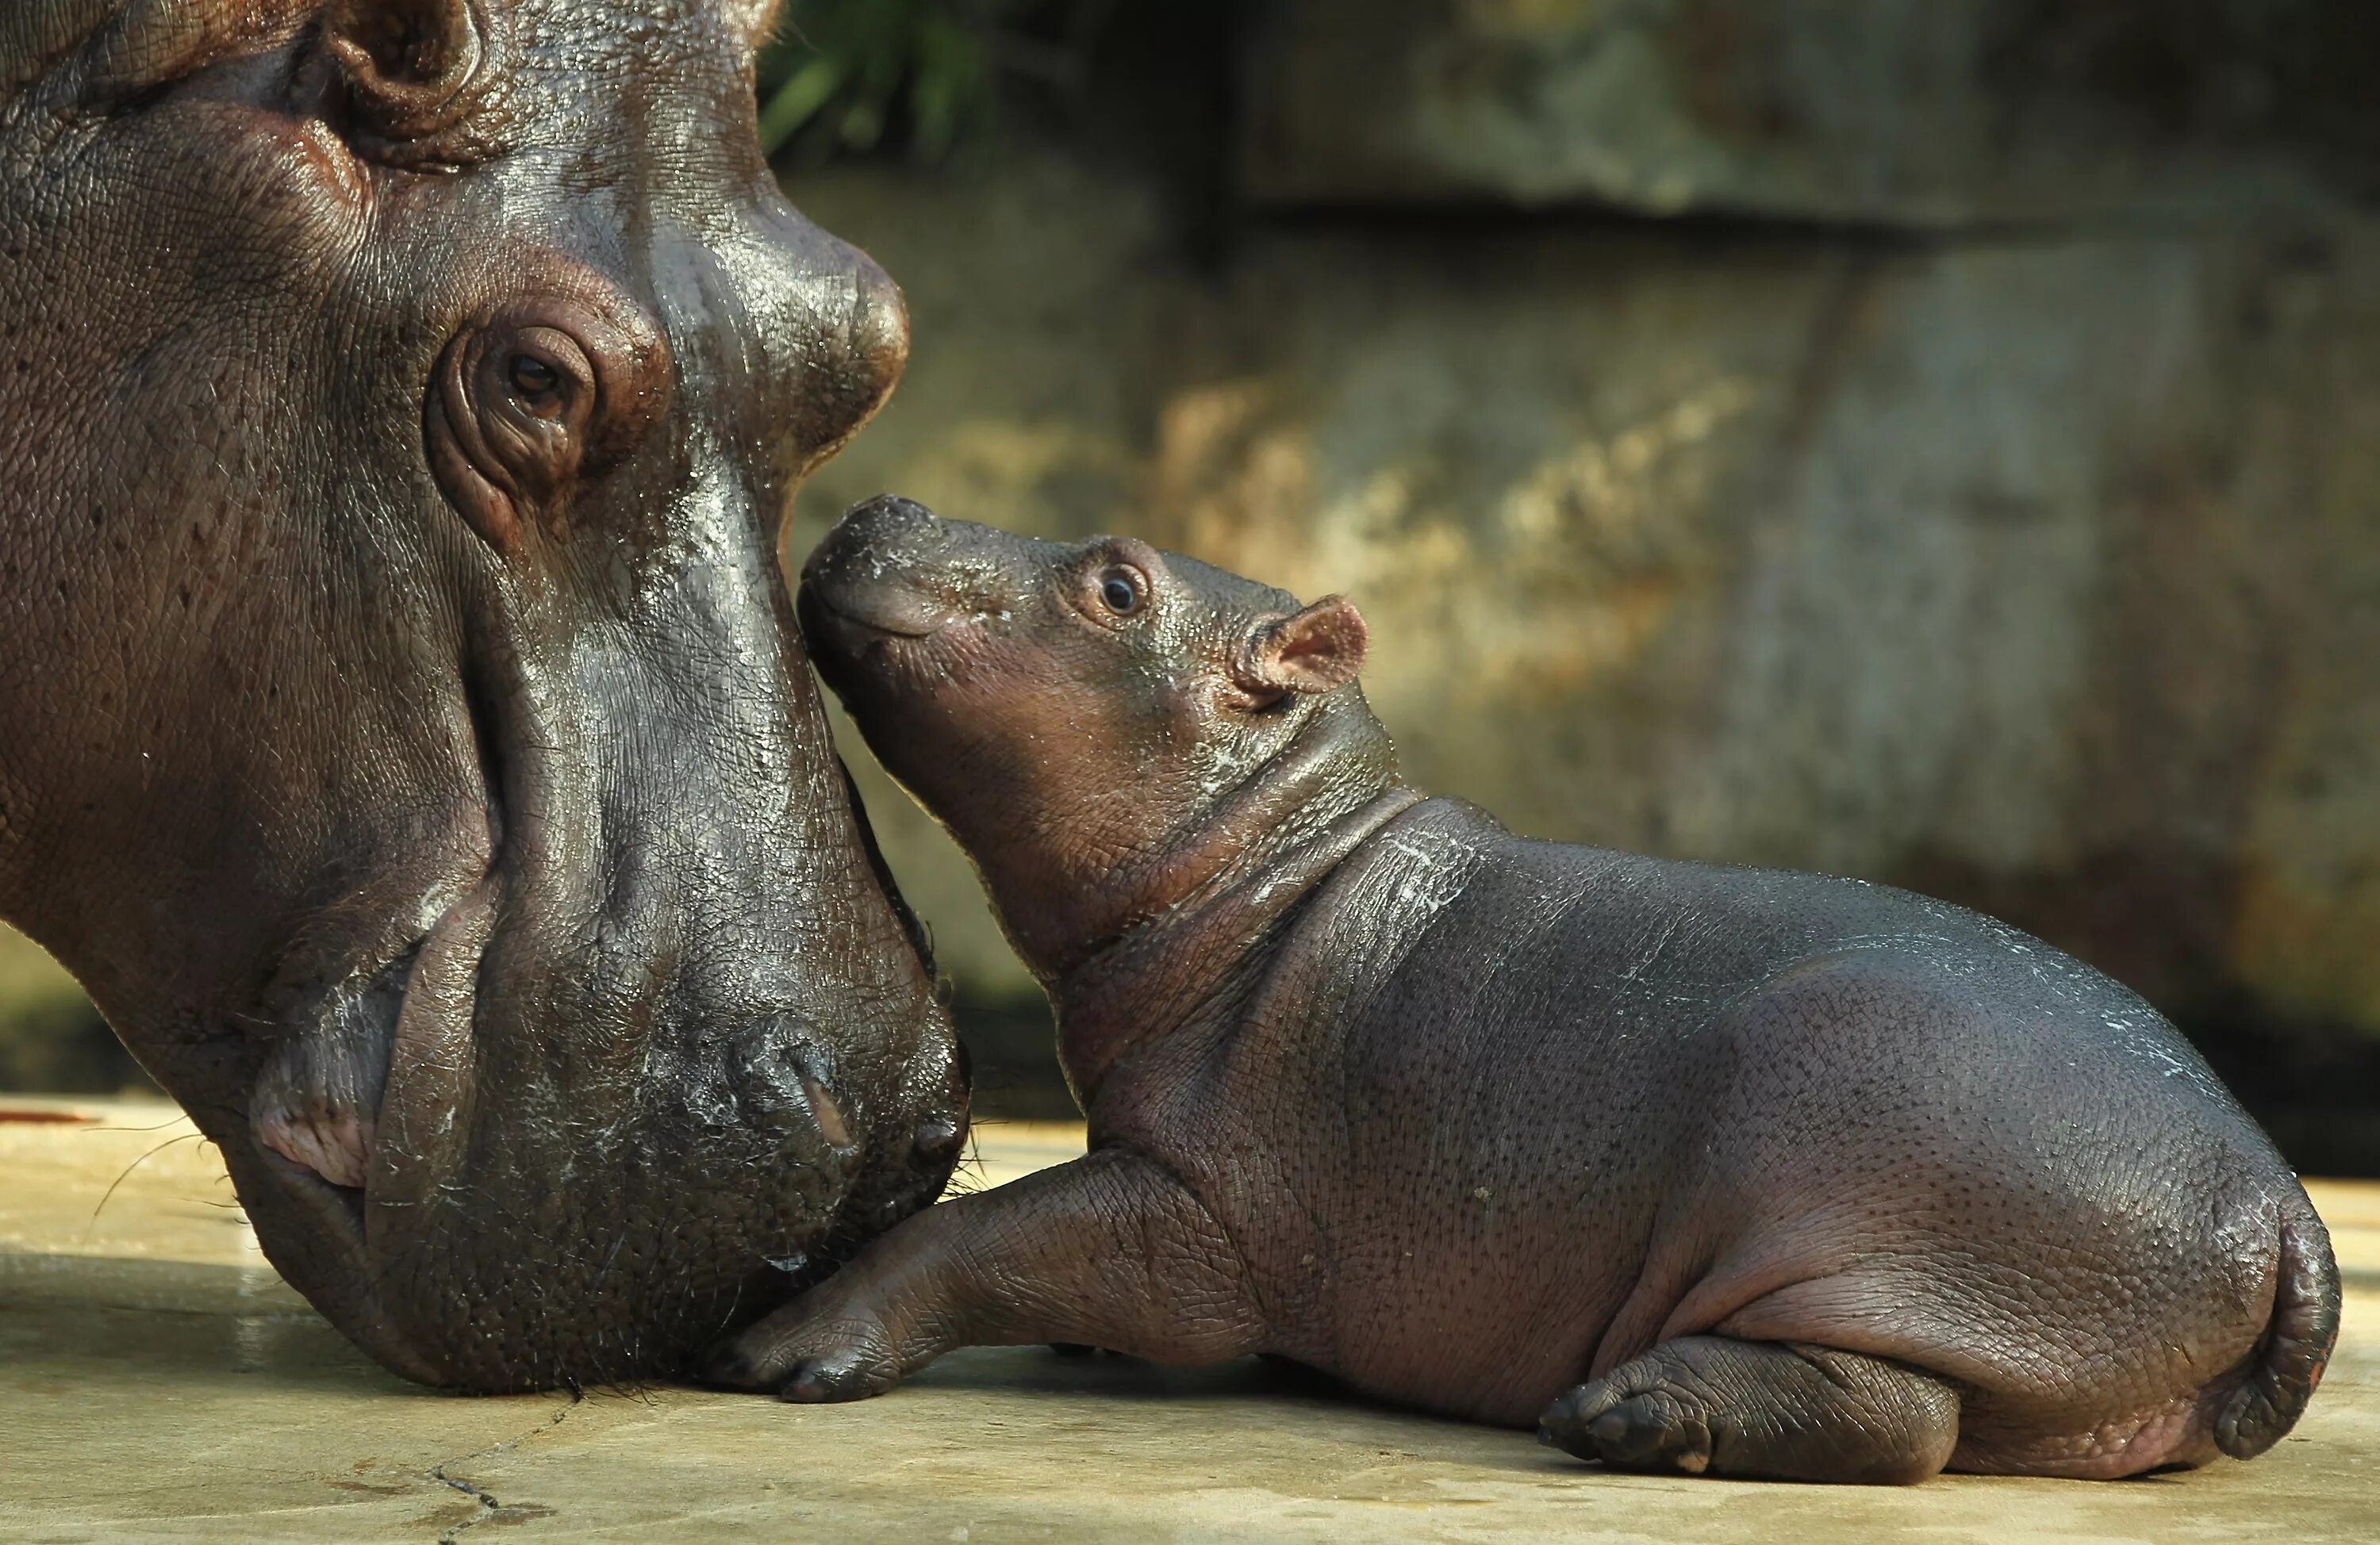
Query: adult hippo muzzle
[402,731]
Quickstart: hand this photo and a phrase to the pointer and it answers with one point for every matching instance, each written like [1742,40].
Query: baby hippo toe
[1771,1410]
[1652,1430]
[853,1372]
[811,1361]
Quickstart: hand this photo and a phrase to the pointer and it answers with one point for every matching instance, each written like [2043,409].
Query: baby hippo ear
[1321,649]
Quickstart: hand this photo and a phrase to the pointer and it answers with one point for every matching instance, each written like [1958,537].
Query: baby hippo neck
[1152,979]
[1062,912]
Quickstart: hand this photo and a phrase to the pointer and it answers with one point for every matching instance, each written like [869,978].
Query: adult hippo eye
[533,377]
[537,384]
[536,397]
[1119,593]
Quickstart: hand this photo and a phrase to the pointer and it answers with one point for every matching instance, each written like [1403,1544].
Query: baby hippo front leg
[1110,1250]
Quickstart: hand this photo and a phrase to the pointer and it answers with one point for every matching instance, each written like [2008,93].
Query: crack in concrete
[490,1510]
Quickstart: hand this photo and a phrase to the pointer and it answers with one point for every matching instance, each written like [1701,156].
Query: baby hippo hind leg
[1762,1410]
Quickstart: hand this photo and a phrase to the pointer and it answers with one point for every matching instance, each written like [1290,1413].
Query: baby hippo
[1700,1168]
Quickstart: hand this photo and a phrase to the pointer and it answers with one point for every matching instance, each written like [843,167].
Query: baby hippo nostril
[870,577]
[888,515]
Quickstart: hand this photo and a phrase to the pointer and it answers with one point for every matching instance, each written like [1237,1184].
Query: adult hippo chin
[402,730]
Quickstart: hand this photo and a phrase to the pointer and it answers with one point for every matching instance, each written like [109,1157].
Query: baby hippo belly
[2021,1182]
[1489,1320]
[1467,1257]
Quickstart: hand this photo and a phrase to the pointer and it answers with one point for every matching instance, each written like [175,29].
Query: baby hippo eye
[1119,593]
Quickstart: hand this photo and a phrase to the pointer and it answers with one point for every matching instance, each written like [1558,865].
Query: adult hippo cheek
[408,740]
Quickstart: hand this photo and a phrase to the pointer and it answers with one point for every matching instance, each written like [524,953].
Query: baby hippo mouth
[885,575]
[895,610]
[317,1103]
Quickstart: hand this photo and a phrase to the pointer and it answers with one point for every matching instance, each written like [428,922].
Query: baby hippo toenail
[822,1379]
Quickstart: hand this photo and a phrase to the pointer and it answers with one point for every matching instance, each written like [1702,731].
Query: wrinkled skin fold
[408,744]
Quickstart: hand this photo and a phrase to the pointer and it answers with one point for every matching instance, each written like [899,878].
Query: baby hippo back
[1530,1109]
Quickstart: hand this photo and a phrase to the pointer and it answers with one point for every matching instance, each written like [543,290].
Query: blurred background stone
[1977,489]
[2042,575]
[52,1040]
[1924,113]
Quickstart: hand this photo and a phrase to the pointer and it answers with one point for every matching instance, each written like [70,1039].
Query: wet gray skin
[406,740]
[1702,1169]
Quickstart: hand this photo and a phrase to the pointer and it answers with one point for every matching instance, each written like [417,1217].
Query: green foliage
[30,981]
[846,76]
[52,1040]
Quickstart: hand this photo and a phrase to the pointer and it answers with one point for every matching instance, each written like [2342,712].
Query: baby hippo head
[1106,728]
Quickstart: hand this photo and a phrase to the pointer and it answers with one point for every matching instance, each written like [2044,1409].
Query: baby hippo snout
[892,567]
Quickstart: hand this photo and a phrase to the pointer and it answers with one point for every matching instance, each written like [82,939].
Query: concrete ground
[158,1381]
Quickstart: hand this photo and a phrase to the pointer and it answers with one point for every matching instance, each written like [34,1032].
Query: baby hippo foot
[810,1357]
[1772,1410]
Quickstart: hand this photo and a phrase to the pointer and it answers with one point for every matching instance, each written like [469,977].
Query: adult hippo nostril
[425,81]
[317,1103]
[781,1080]
[410,747]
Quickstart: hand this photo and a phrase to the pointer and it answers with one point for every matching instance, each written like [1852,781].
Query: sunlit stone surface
[158,1381]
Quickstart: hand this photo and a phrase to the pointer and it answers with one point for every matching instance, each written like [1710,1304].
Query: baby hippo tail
[2289,1361]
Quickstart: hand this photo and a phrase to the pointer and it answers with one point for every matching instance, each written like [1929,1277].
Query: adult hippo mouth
[411,745]
[381,1056]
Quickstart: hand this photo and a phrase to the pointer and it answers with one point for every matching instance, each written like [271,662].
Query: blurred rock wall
[1934,113]
[2034,565]
[1978,489]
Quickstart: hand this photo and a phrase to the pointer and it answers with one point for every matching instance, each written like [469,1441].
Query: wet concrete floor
[158,1381]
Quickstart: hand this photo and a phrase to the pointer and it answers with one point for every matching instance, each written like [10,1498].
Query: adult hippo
[405,737]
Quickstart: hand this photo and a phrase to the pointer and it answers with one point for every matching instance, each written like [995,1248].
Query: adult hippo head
[402,733]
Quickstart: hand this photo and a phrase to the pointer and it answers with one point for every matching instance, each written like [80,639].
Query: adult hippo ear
[407,742]
[425,79]
[759,20]
[1317,650]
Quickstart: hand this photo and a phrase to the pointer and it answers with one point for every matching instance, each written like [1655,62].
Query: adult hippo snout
[410,745]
